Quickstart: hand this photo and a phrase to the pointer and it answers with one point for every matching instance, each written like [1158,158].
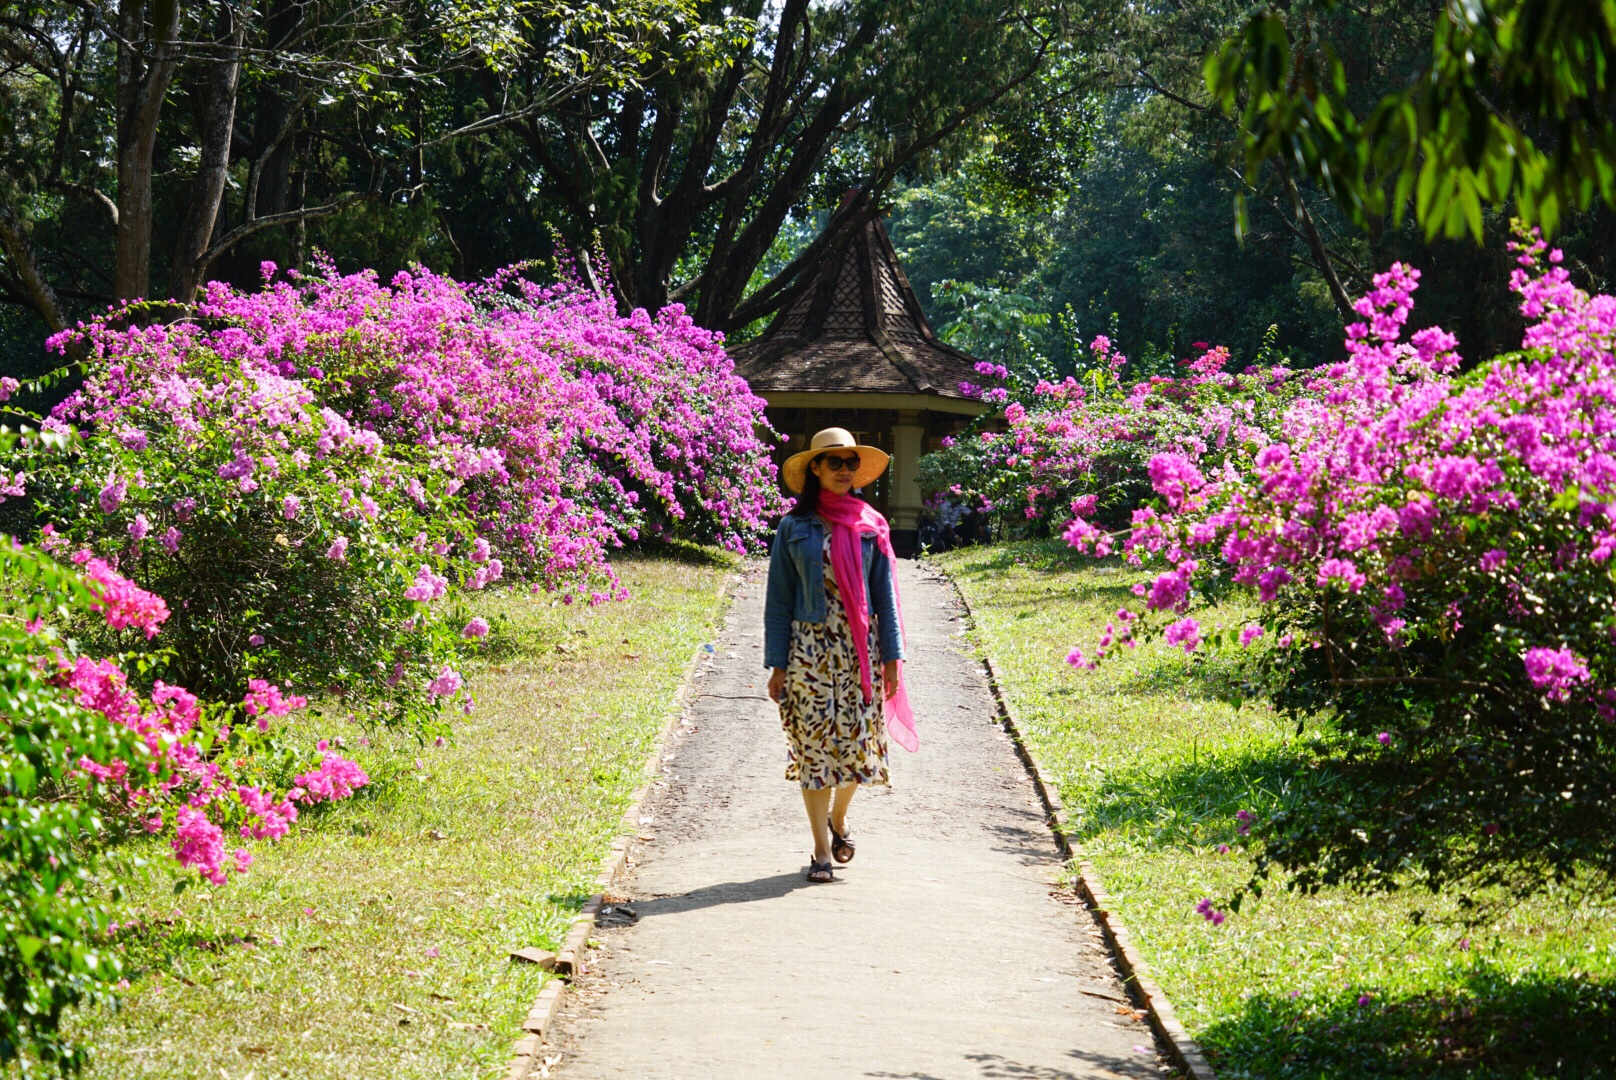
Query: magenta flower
[336,778]
[1186,634]
[1342,572]
[123,603]
[1174,476]
[112,495]
[476,628]
[338,549]
[264,700]
[1251,633]
[447,682]
[199,844]
[139,528]
[1555,670]
[290,506]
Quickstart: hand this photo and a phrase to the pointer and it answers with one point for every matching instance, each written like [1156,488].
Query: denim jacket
[797,590]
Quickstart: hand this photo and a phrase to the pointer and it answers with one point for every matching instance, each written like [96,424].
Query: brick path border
[528,1052]
[1181,1049]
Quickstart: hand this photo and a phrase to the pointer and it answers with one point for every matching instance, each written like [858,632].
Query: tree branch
[14,239]
[290,217]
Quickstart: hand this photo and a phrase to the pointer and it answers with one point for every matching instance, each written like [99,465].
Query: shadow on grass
[1045,555]
[1208,677]
[1193,803]
[166,947]
[680,551]
[1493,1025]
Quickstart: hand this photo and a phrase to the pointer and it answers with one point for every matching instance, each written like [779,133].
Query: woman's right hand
[777,684]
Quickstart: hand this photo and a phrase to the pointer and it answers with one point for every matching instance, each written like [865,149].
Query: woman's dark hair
[808,501]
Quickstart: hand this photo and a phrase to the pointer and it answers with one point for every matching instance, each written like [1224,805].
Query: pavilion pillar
[908,442]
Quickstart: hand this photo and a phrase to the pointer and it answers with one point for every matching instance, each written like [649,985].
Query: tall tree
[93,114]
[685,179]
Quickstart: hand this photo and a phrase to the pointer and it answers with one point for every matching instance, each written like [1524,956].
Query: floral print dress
[832,736]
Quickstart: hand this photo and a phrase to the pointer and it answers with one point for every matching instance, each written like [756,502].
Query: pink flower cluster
[336,778]
[120,601]
[265,700]
[1555,671]
[1392,480]
[570,428]
[175,766]
[1071,440]
[565,428]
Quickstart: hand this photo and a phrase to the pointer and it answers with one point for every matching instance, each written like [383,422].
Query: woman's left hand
[889,678]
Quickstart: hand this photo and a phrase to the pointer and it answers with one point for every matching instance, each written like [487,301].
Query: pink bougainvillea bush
[572,428]
[312,473]
[1081,446]
[1432,556]
[86,760]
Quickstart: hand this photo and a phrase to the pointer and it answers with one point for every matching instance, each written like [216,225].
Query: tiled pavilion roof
[857,328]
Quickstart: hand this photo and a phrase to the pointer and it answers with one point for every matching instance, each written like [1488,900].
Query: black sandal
[840,844]
[820,872]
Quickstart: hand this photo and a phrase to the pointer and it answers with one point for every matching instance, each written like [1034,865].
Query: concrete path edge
[1163,1020]
[528,1051]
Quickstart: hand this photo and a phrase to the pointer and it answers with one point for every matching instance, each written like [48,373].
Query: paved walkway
[941,953]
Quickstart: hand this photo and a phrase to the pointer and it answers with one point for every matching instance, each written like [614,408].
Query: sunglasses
[836,463]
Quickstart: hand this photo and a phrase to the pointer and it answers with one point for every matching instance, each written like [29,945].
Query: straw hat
[872,462]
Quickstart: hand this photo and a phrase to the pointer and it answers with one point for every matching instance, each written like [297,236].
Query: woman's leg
[817,801]
[839,805]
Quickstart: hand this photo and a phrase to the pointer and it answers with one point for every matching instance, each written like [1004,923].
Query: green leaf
[29,946]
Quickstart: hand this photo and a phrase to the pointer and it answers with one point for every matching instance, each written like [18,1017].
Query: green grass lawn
[373,940]
[1153,765]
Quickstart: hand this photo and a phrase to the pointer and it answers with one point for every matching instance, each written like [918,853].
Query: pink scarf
[850,518]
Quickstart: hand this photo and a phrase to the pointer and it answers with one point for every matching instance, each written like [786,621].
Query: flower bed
[301,471]
[1081,446]
[1432,556]
[303,488]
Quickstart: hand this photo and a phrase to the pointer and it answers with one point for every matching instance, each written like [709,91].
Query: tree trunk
[215,122]
[14,239]
[142,85]
[275,116]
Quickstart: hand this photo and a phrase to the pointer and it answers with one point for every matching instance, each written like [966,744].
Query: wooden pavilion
[854,350]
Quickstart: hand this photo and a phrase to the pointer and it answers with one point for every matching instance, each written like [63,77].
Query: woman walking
[830,616]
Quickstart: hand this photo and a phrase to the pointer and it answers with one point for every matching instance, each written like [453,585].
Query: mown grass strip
[373,941]
[1152,766]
